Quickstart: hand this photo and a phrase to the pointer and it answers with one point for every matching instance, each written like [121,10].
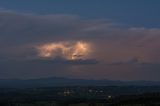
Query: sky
[98,39]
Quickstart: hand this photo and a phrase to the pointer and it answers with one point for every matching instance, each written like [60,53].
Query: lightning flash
[67,50]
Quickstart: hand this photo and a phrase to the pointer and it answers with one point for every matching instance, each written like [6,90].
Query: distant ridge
[58,81]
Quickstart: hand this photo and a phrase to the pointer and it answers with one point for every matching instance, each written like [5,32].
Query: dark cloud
[112,44]
[132,60]
[41,67]
[19,26]
[62,61]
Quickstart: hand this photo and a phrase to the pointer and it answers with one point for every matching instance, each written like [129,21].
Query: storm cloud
[116,50]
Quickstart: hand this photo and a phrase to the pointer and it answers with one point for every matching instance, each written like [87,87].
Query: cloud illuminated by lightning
[67,50]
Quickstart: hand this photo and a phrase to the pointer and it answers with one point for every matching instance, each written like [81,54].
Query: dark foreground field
[81,96]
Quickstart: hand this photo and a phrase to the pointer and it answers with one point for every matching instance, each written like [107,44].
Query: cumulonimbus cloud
[21,33]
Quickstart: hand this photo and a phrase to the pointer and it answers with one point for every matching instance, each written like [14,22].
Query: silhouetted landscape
[56,91]
[58,81]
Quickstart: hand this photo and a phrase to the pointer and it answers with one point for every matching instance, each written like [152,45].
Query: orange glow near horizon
[67,50]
